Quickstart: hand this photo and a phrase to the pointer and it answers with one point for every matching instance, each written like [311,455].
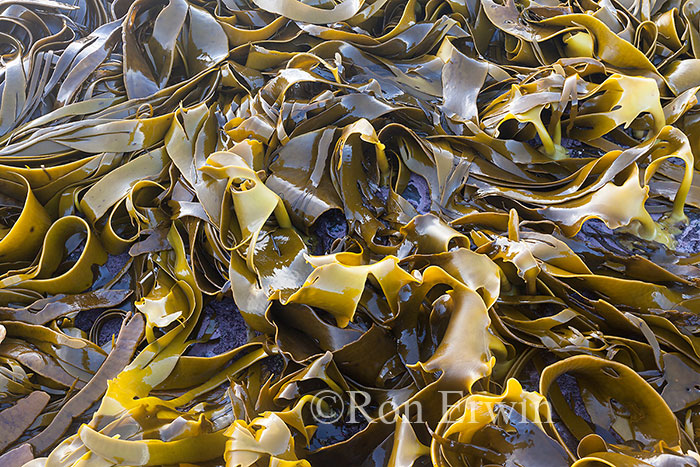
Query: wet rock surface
[689,239]
[329,227]
[417,193]
[226,326]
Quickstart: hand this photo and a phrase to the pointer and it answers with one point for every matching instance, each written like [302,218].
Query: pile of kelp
[466,207]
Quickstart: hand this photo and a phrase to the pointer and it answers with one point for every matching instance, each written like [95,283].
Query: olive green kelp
[362,232]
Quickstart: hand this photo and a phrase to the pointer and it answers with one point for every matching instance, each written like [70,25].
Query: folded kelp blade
[180,30]
[267,437]
[24,237]
[46,310]
[128,405]
[59,236]
[125,346]
[300,11]
[485,429]
[437,361]
[617,400]
[91,392]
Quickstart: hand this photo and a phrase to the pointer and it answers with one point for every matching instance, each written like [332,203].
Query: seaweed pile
[470,212]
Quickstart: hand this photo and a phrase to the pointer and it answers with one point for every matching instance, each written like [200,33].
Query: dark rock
[689,239]
[330,226]
[224,321]
[417,193]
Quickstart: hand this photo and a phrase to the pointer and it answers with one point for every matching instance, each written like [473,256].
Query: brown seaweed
[470,214]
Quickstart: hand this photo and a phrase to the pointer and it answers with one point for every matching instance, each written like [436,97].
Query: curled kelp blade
[640,415]
[477,419]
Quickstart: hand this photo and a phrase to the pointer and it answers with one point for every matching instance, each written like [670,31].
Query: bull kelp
[446,232]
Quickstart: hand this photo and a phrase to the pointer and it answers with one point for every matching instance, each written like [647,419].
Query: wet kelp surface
[479,215]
